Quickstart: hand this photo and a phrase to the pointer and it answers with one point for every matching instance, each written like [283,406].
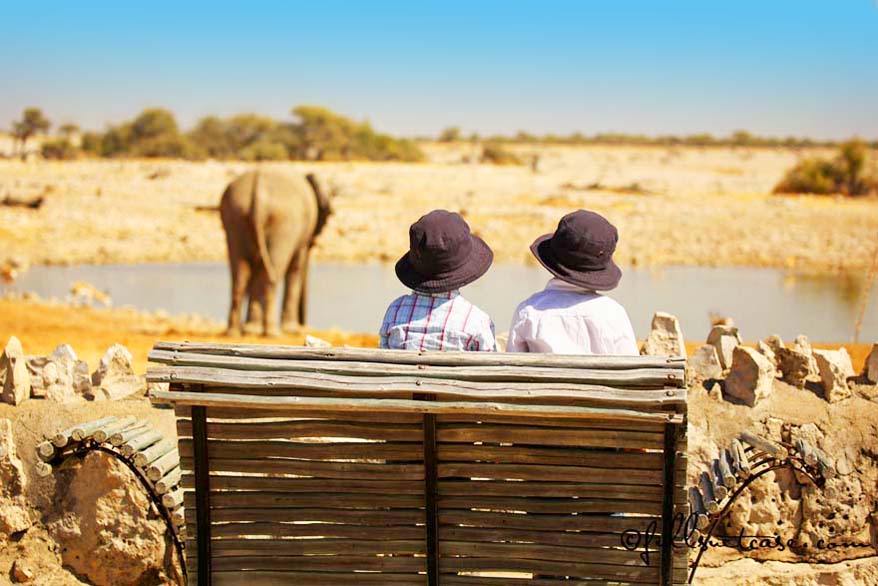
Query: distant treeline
[740,138]
[316,134]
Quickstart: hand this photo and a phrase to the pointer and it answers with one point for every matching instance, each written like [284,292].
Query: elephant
[271,219]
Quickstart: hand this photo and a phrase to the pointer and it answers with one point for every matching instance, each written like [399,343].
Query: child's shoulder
[476,312]
[396,304]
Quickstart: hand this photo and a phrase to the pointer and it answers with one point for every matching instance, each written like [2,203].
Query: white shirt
[566,319]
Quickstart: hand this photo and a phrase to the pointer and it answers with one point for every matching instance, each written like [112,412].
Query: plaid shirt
[442,321]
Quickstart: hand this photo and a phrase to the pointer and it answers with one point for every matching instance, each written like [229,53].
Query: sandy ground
[41,326]
[701,206]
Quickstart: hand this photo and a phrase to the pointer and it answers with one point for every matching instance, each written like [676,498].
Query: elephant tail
[259,227]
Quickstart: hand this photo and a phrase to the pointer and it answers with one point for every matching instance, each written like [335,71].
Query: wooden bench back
[355,466]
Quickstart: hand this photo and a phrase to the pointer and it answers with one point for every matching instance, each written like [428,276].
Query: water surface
[354,297]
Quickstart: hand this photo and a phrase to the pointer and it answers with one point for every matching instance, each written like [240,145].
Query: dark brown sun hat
[443,254]
[580,251]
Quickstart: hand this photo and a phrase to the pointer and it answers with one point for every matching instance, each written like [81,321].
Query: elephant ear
[324,204]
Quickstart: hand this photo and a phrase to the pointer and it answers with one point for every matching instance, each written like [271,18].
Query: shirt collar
[559,285]
[443,295]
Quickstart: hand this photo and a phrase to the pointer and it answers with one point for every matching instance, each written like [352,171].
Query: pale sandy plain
[673,206]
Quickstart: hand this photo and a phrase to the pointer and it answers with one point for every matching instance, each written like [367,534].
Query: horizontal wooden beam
[428,358]
[293,404]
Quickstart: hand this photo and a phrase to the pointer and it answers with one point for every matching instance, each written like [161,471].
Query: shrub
[845,174]
[61,150]
[497,154]
[450,134]
[264,150]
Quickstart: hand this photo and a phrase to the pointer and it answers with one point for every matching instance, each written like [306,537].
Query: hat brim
[476,265]
[600,280]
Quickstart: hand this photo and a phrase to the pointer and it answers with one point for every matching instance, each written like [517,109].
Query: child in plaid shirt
[443,257]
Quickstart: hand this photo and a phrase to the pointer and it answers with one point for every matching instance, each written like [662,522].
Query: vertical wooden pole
[202,493]
[668,485]
[431,493]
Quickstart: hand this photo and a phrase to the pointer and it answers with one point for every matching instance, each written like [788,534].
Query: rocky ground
[680,205]
[66,529]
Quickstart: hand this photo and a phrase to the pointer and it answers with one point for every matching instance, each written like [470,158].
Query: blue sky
[775,67]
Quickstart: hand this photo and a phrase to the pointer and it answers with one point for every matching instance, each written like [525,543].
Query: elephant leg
[265,293]
[269,317]
[293,314]
[255,309]
[240,270]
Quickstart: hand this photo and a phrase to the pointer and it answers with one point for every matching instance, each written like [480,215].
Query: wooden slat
[278,373]
[393,405]
[272,547]
[549,489]
[349,531]
[531,551]
[304,428]
[317,469]
[289,500]
[634,570]
[517,454]
[262,449]
[564,538]
[593,523]
[448,390]
[280,578]
[382,518]
[376,384]
[499,433]
[222,413]
[559,473]
[309,485]
[554,506]
[333,563]
[429,358]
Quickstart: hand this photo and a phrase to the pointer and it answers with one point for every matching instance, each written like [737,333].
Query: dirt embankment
[689,206]
[846,429]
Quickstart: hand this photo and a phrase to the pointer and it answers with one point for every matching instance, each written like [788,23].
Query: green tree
[69,129]
[60,149]
[450,134]
[32,122]
[154,123]
[211,135]
[852,160]
[325,134]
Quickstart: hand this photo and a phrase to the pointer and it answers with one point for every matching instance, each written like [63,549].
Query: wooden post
[668,485]
[431,492]
[202,493]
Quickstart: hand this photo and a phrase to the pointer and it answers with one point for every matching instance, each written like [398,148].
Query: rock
[21,573]
[315,342]
[774,342]
[104,526]
[725,339]
[763,348]
[802,344]
[835,368]
[13,373]
[751,376]
[704,364]
[665,337]
[870,369]
[115,377]
[60,376]
[794,365]
[11,471]
[14,513]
